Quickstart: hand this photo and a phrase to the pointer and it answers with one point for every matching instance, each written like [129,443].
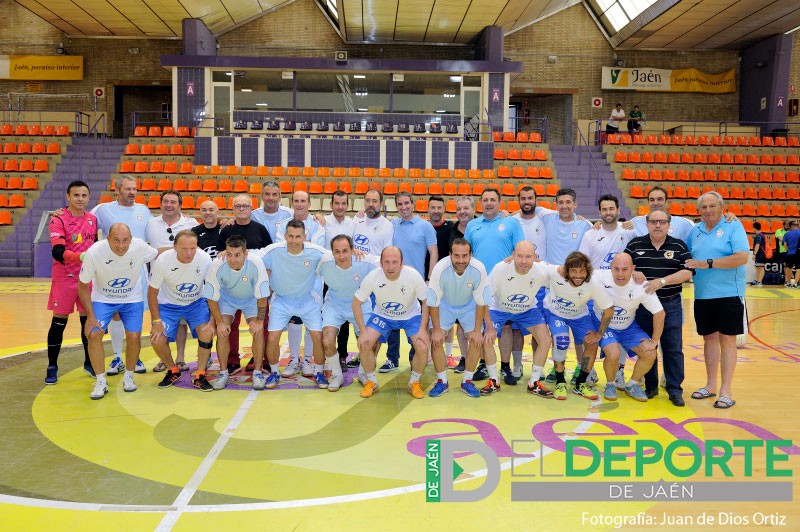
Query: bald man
[208,231]
[114,268]
[623,332]
[513,307]
[400,303]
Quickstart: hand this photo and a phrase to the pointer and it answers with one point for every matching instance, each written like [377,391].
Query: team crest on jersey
[501,227]
[244,278]
[356,278]
[669,254]
[306,263]
[139,217]
[402,289]
[574,235]
[469,284]
[719,233]
[90,222]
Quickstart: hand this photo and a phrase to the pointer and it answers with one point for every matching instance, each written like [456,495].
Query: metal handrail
[594,169]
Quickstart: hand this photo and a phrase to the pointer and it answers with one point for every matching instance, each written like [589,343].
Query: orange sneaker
[369,389]
[415,389]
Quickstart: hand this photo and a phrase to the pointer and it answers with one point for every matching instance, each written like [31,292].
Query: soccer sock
[371,376]
[54,338]
[536,372]
[258,372]
[448,349]
[175,369]
[492,369]
[223,373]
[621,365]
[333,363]
[319,368]
[308,346]
[85,341]
[117,332]
[101,378]
[560,377]
[442,376]
[517,356]
[467,376]
[295,333]
[631,382]
[414,377]
[129,373]
[201,372]
[581,378]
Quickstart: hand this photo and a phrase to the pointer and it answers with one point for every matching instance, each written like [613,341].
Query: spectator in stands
[719,251]
[792,241]
[617,116]
[781,251]
[759,258]
[634,120]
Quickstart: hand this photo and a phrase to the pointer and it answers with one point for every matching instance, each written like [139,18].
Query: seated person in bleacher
[634,124]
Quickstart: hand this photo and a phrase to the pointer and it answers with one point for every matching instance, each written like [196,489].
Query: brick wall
[794,72]
[579,68]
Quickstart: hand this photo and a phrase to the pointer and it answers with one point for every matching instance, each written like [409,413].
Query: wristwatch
[710,263]
[663,281]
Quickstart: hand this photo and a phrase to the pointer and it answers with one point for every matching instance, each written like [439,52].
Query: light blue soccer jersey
[413,238]
[726,238]
[315,233]
[272,221]
[342,284]
[292,276]
[448,288]
[493,240]
[251,282]
[679,227]
[562,238]
[135,217]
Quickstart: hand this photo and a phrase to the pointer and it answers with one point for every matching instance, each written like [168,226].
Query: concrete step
[16,271]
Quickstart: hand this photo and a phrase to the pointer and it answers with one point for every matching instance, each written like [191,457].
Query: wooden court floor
[297,458]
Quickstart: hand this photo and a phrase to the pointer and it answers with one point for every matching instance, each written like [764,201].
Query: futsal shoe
[369,389]
[116,367]
[127,383]
[322,382]
[169,379]
[202,384]
[537,388]
[139,367]
[481,373]
[585,391]
[619,380]
[273,379]
[461,366]
[335,382]
[610,393]
[469,388]
[439,388]
[99,391]
[306,368]
[635,391]
[490,387]
[415,389]
[259,380]
[560,391]
[52,375]
[388,367]
[220,382]
[291,369]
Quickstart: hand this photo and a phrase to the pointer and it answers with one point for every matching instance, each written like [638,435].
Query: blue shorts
[195,314]
[335,314]
[540,295]
[130,313]
[560,326]
[282,309]
[521,322]
[229,306]
[386,325]
[465,315]
[627,338]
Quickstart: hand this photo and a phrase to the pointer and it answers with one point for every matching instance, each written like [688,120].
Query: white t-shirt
[371,235]
[626,300]
[616,117]
[601,245]
[512,292]
[157,235]
[395,300]
[116,279]
[334,228]
[567,301]
[179,283]
[534,232]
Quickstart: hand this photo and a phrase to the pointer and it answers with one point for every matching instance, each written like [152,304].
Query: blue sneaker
[116,367]
[139,367]
[52,375]
[259,381]
[321,381]
[635,391]
[610,393]
[87,367]
[439,388]
[272,380]
[470,389]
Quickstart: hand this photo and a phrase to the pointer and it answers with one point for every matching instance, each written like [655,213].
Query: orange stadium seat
[200,169]
[513,154]
[533,172]
[154,131]
[146,149]
[793,142]
[186,167]
[140,131]
[527,155]
[5,217]
[255,188]
[661,158]
[225,185]
[668,175]
[522,136]
[183,131]
[499,154]
[767,141]
[497,136]
[153,201]
[10,147]
[435,189]
[38,147]
[537,137]
[168,131]
[170,167]
[176,149]
[147,184]
[508,136]
[187,202]
[648,157]
[293,171]
[518,172]
[156,167]
[634,157]
[132,149]
[164,184]
[162,149]
[41,165]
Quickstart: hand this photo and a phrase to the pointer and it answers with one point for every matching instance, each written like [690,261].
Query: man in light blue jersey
[415,237]
[492,237]
[342,275]
[292,267]
[239,282]
[455,294]
[136,216]
[272,214]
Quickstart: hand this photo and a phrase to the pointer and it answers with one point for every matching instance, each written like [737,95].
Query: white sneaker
[306,368]
[362,376]
[99,391]
[220,382]
[259,380]
[116,367]
[127,383]
[619,380]
[335,382]
[591,379]
[291,369]
[517,373]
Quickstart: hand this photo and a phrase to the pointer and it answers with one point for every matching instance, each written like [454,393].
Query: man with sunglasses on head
[160,234]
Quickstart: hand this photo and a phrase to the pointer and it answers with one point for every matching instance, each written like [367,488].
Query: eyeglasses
[241,207]
[658,222]
[171,236]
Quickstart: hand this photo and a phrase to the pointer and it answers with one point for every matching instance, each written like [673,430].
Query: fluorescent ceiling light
[247,90]
[359,76]
[441,111]
[455,79]
[364,109]
[262,104]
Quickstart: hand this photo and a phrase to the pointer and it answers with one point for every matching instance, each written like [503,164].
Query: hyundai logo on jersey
[518,298]
[186,287]
[392,307]
[119,282]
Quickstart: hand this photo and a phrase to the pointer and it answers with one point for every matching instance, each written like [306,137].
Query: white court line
[182,500]
[299,503]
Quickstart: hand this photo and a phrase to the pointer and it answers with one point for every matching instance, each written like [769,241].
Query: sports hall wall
[560,90]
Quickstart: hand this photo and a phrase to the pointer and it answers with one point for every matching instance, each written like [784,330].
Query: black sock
[505,365]
[581,378]
[560,377]
[85,341]
[341,340]
[54,338]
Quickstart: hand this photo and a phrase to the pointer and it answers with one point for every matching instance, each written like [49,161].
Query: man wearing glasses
[255,236]
[662,259]
[160,234]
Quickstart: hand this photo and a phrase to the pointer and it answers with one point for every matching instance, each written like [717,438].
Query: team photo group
[490,282]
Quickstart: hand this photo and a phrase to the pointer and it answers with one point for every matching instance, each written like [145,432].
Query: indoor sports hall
[439,98]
